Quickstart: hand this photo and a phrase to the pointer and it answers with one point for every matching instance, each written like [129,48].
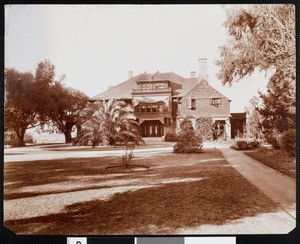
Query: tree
[39,100]
[66,105]
[263,37]
[278,117]
[107,122]
[24,95]
[254,128]
[187,140]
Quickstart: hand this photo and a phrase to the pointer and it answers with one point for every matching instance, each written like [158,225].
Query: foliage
[246,145]
[107,123]
[273,138]
[26,99]
[279,160]
[187,140]
[126,159]
[39,99]
[254,128]
[67,103]
[171,137]
[288,141]
[28,138]
[276,111]
[263,37]
[204,128]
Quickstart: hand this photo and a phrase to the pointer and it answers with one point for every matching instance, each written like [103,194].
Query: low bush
[171,137]
[28,138]
[288,141]
[273,138]
[245,145]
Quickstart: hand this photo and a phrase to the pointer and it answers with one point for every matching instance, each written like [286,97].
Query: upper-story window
[154,108]
[216,101]
[160,85]
[154,86]
[148,110]
[151,108]
[145,86]
[160,108]
[192,103]
[143,109]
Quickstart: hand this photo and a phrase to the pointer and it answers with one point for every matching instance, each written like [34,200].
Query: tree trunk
[20,138]
[67,132]
[68,138]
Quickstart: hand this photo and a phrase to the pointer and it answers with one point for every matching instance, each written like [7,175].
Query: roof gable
[144,77]
[204,90]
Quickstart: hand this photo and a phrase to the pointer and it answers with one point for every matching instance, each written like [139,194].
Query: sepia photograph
[149,119]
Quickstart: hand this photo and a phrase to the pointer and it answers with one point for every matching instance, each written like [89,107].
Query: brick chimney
[193,74]
[203,69]
[130,74]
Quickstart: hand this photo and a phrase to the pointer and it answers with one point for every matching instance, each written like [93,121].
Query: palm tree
[107,123]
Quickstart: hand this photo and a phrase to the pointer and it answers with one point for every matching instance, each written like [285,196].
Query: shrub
[127,158]
[288,141]
[171,137]
[204,128]
[28,138]
[246,145]
[187,140]
[254,143]
[274,139]
[243,145]
[12,141]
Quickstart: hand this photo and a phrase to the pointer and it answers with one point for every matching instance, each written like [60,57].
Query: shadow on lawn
[223,195]
[54,171]
[155,210]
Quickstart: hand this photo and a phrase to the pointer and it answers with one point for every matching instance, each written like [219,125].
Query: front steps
[154,139]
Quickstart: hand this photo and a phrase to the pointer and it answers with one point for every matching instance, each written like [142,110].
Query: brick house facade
[162,100]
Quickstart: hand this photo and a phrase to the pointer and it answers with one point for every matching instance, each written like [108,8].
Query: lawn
[79,196]
[276,159]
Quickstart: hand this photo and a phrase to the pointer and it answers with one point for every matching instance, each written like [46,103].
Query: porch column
[228,128]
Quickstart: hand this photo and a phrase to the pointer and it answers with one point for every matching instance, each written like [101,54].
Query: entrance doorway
[152,128]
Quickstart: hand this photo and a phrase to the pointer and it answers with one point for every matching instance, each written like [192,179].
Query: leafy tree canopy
[27,98]
[32,100]
[263,37]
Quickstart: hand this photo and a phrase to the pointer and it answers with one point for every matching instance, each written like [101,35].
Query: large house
[162,100]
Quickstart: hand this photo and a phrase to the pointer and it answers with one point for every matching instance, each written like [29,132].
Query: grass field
[79,196]
[276,159]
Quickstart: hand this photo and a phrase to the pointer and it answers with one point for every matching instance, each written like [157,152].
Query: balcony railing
[152,90]
[165,111]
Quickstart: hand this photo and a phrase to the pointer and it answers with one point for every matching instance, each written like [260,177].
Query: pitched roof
[181,86]
[204,90]
[144,77]
[121,91]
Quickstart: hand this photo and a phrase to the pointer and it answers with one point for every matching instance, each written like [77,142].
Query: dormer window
[216,101]
[192,103]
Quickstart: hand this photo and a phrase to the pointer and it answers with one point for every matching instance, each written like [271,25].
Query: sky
[95,46]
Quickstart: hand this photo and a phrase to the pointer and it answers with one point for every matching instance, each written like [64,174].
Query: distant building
[162,100]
